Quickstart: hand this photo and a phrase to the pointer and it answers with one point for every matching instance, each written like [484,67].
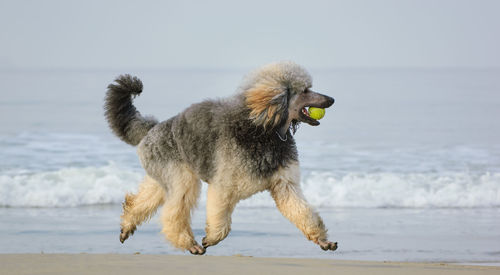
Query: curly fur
[240,146]
[268,90]
[125,121]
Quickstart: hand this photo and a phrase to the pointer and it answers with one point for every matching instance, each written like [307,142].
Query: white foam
[396,190]
[403,190]
[67,187]
[108,184]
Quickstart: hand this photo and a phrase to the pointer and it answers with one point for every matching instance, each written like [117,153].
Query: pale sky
[242,34]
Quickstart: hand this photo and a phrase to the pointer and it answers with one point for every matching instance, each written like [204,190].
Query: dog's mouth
[304,116]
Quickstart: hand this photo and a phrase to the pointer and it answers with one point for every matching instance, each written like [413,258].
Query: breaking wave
[67,187]
[70,187]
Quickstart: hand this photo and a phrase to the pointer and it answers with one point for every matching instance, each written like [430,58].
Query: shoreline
[237,264]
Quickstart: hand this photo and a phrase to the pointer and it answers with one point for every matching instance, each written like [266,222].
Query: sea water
[404,166]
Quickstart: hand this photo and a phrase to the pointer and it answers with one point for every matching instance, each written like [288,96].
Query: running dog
[240,146]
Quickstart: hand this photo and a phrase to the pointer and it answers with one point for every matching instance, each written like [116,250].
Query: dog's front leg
[292,204]
[220,206]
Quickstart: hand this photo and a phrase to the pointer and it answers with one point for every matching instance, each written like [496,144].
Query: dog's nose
[330,101]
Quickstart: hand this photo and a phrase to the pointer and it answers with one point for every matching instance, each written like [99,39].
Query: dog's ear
[268,104]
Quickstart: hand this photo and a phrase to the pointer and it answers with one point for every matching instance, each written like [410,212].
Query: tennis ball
[316,113]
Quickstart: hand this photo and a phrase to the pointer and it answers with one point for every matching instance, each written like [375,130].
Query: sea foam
[69,187]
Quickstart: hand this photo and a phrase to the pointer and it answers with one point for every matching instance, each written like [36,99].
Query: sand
[167,264]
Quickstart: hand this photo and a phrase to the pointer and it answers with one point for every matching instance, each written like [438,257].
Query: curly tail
[123,118]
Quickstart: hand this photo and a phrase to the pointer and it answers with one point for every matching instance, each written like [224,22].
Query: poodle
[239,145]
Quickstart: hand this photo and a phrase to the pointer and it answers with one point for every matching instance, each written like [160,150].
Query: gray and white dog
[239,145]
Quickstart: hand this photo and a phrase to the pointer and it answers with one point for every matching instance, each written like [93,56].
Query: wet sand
[169,264]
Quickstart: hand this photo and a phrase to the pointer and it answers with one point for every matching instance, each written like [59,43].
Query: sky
[240,34]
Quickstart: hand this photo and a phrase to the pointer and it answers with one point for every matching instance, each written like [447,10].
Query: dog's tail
[123,118]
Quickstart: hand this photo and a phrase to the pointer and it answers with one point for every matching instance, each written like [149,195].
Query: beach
[54,264]
[406,177]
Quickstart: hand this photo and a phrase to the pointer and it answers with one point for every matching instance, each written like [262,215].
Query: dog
[239,145]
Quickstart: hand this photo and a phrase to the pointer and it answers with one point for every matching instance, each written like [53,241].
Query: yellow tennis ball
[316,113]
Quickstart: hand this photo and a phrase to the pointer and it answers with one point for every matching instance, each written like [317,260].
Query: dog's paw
[124,234]
[326,245]
[197,250]
[206,242]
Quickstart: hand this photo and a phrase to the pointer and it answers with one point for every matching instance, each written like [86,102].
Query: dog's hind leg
[183,190]
[289,199]
[220,206]
[140,207]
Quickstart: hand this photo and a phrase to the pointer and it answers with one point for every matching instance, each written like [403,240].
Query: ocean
[405,166]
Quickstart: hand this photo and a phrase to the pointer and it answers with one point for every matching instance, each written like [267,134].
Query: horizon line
[241,68]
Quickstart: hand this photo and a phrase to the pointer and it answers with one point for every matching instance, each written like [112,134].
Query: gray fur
[196,134]
[125,121]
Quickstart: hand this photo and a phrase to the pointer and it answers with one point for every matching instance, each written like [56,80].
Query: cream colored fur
[183,190]
[140,207]
[230,185]
[287,194]
[180,193]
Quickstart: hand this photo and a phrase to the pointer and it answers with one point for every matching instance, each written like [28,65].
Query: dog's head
[278,95]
